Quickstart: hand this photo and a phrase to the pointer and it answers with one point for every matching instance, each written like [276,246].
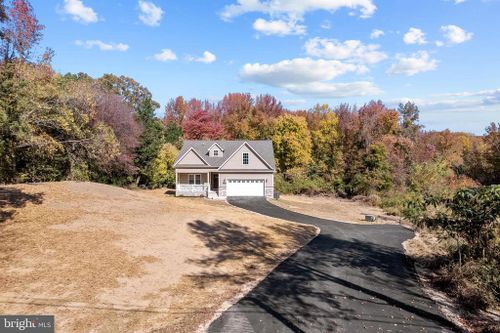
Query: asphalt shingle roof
[263,147]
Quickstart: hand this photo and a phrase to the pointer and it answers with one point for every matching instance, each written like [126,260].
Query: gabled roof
[216,144]
[253,150]
[181,156]
[263,148]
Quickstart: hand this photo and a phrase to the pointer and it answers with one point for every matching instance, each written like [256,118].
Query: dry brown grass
[333,208]
[105,259]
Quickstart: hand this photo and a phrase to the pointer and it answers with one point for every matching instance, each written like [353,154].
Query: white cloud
[469,111]
[414,36]
[279,27]
[334,90]
[165,55]
[410,65]
[150,13]
[349,50]
[376,33]
[458,101]
[295,8]
[208,58]
[309,77]
[296,71]
[459,1]
[456,35]
[79,12]
[102,46]
[487,97]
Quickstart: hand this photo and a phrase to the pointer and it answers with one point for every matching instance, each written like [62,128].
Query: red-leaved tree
[266,110]
[202,121]
[175,110]
[117,114]
[21,33]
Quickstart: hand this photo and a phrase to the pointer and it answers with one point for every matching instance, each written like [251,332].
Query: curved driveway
[350,278]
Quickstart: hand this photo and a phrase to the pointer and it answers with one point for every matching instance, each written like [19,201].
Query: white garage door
[245,188]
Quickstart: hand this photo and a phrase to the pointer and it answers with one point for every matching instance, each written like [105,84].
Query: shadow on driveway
[350,278]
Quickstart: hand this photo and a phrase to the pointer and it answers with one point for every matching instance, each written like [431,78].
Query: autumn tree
[175,111]
[315,115]
[20,30]
[201,122]
[482,160]
[375,121]
[155,135]
[131,91]
[114,112]
[292,143]
[236,110]
[326,145]
[266,110]
[162,172]
[409,119]
[376,174]
[492,140]
[49,128]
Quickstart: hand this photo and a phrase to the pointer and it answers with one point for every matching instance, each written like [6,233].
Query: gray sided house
[218,169]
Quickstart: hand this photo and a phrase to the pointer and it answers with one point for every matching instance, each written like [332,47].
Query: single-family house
[219,169]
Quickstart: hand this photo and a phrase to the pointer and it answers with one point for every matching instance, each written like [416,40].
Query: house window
[245,158]
[216,152]
[194,179]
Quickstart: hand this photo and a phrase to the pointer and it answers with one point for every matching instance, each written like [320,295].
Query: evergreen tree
[153,138]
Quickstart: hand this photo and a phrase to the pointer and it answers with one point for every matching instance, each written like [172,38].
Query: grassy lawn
[333,208]
[102,258]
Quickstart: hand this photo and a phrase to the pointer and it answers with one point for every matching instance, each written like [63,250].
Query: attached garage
[245,188]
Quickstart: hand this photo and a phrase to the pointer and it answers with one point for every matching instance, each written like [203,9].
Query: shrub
[470,217]
[296,181]
[473,285]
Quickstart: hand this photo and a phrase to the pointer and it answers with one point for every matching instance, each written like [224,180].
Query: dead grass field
[106,259]
[332,208]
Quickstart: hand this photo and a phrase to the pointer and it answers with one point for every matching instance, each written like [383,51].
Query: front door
[215,181]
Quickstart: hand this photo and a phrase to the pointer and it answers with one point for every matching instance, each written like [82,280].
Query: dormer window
[215,150]
[245,159]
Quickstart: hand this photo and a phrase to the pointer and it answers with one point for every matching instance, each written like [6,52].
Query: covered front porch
[197,183]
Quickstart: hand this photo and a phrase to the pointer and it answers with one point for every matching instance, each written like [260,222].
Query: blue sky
[442,54]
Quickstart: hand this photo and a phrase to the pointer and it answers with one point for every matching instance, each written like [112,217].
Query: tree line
[72,126]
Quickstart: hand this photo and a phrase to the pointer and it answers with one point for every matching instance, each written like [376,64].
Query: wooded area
[72,126]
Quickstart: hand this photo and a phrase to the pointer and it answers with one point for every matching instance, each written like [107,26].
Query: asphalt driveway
[350,278]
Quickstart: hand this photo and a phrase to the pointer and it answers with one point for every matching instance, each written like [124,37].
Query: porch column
[176,183]
[208,178]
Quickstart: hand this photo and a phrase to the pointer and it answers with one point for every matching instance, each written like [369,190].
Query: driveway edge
[227,304]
